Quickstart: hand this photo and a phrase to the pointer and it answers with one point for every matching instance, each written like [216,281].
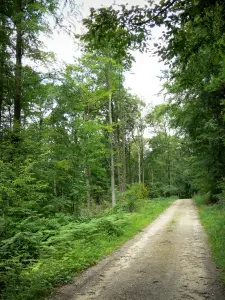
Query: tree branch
[170,3]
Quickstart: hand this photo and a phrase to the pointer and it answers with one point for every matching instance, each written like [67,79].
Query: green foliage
[135,191]
[49,251]
[192,43]
[167,158]
[198,100]
[54,165]
[213,220]
[131,200]
[107,36]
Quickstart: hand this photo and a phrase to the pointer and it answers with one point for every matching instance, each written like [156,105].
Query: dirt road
[169,260]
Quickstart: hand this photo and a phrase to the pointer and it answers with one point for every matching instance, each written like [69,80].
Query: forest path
[169,260]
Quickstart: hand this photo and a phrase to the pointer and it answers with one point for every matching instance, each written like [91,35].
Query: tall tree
[194,32]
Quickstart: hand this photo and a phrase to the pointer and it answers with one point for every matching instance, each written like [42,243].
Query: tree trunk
[108,81]
[129,162]
[1,83]
[124,178]
[119,162]
[55,187]
[138,143]
[2,62]
[139,163]
[142,156]
[18,68]
[88,194]
[119,175]
[87,171]
[111,153]
[143,174]
[10,117]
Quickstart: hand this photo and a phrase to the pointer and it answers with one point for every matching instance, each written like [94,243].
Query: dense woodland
[72,141]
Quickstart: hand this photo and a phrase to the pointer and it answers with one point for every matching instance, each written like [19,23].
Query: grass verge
[213,220]
[76,246]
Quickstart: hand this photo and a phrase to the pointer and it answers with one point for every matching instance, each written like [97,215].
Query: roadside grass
[77,246]
[213,220]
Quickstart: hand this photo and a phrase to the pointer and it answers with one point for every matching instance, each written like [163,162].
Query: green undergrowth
[213,220]
[64,250]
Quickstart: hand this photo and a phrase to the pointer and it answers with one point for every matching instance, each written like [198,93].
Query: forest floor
[169,259]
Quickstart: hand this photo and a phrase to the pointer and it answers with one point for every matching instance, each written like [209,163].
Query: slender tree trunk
[119,175]
[2,62]
[138,141]
[124,160]
[88,194]
[111,136]
[143,174]
[139,163]
[55,187]
[10,117]
[111,153]
[168,160]
[18,68]
[1,97]
[87,171]
[1,83]
[119,162]
[142,156]
[123,144]
[129,162]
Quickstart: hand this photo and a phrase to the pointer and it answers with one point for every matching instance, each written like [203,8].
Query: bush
[110,226]
[137,191]
[48,251]
[129,201]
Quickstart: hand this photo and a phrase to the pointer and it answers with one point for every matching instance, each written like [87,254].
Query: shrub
[129,200]
[110,226]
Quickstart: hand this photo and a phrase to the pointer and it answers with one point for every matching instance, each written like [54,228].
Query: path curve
[169,260]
